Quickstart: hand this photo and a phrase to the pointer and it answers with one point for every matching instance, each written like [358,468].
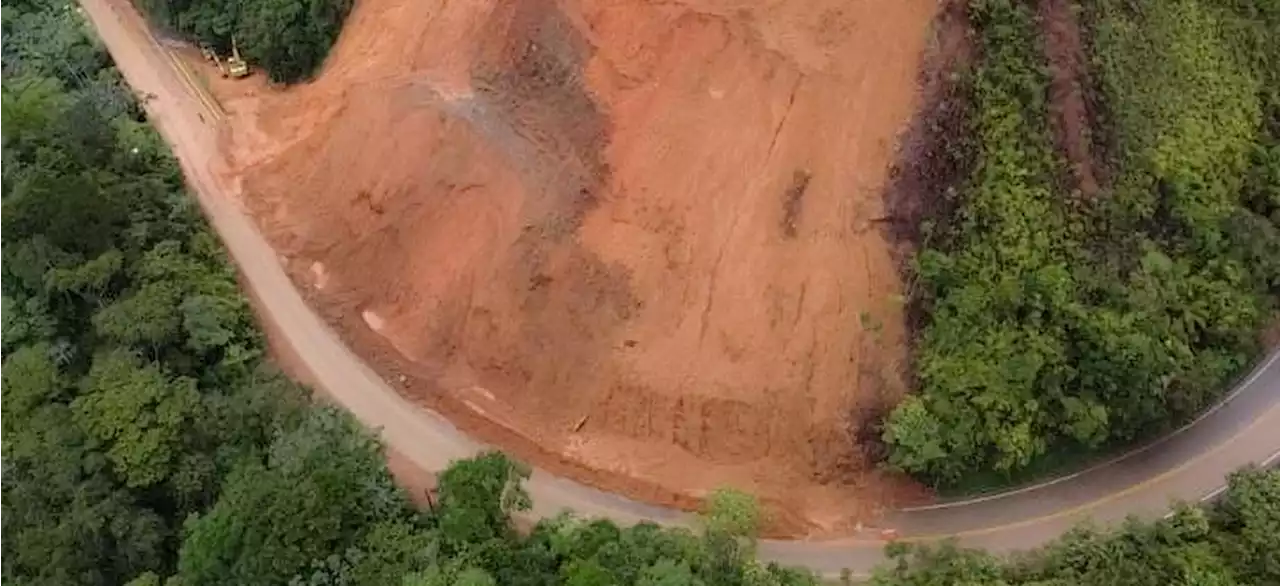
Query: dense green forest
[1059,324]
[287,38]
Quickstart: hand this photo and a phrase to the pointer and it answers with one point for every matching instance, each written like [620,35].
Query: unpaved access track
[1188,465]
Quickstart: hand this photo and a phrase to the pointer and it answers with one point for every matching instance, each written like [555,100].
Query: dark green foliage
[322,486]
[477,496]
[1058,325]
[288,38]
[138,414]
[131,375]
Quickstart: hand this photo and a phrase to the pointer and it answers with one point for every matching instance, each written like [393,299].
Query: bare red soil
[635,242]
[1069,113]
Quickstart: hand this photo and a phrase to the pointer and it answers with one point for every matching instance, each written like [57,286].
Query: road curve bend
[1188,465]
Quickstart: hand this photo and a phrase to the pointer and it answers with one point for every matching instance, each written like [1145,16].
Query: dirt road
[1188,465]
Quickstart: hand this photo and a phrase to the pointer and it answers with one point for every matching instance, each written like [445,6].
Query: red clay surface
[1068,108]
[634,242]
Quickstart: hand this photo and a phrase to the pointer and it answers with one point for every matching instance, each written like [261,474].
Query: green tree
[274,517]
[31,380]
[148,318]
[146,579]
[138,413]
[25,322]
[91,280]
[1249,520]
[66,521]
[210,322]
[477,497]
[668,572]
[732,512]
[392,550]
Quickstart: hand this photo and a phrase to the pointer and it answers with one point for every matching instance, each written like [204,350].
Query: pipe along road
[1189,464]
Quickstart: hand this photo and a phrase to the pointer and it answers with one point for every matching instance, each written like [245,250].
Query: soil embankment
[1069,108]
[636,242]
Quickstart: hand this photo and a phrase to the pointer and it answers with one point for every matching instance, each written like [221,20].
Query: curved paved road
[1189,465]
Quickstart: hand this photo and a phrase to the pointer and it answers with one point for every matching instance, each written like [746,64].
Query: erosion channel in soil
[637,243]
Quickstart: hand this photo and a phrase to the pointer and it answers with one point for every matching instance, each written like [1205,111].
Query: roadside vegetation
[288,38]
[1058,325]
[1234,542]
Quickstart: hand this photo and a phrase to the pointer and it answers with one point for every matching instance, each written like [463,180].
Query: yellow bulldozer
[233,66]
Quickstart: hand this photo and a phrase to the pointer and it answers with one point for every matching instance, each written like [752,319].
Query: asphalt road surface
[1188,465]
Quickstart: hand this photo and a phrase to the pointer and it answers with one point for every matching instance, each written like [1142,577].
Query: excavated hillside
[638,242]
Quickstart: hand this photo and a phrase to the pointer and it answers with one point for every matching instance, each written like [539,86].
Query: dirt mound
[634,240]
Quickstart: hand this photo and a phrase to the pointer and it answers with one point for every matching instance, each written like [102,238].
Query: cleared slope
[637,241]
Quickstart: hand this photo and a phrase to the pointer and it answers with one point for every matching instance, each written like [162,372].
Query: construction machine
[233,66]
[236,65]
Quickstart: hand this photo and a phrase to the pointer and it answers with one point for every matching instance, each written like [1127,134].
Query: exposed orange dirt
[636,242]
[1068,75]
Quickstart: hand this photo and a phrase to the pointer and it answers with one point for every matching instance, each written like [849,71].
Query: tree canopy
[288,38]
[1057,324]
